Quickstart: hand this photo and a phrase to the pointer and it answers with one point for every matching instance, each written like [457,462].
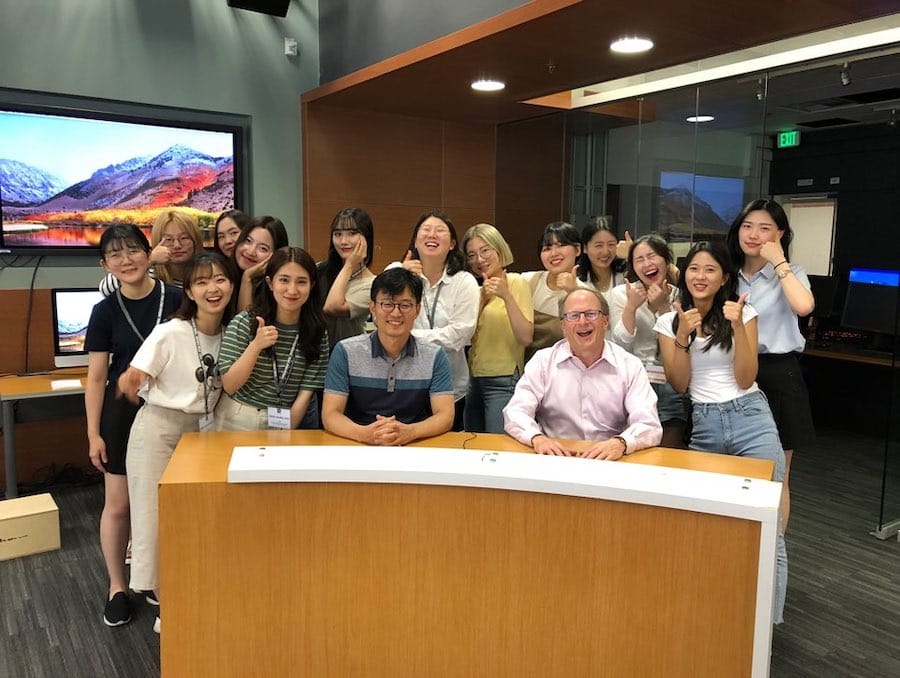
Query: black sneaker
[117,610]
[150,597]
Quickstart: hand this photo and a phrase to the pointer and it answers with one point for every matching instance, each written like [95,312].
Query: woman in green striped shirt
[274,355]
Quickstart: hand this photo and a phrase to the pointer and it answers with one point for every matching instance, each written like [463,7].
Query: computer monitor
[71,313]
[823,288]
[871,301]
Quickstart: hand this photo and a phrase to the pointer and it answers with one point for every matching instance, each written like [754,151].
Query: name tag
[655,372]
[279,417]
[207,423]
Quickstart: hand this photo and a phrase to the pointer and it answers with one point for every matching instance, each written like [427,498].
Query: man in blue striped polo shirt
[387,388]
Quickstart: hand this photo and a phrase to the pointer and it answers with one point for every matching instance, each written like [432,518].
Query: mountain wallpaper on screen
[39,209]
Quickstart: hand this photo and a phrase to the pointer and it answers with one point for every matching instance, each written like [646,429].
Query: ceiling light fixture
[631,45]
[700,118]
[487,85]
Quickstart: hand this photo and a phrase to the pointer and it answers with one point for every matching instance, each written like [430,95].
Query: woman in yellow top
[505,327]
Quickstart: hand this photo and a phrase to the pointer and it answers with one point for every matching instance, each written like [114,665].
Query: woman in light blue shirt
[759,241]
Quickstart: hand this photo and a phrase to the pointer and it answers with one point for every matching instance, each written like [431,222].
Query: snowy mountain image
[21,184]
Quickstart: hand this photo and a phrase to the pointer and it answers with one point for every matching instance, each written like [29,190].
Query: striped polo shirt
[374,383]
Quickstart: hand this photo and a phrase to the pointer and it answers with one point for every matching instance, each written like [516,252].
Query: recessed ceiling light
[632,45]
[487,85]
[700,118]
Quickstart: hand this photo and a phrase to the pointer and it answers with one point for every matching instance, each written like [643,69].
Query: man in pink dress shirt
[584,388]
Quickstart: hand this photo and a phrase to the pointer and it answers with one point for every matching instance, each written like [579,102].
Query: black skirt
[780,379]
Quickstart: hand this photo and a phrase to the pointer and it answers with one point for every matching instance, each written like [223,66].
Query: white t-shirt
[169,356]
[712,372]
[545,300]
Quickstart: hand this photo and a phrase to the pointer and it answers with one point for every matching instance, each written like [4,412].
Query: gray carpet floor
[843,600]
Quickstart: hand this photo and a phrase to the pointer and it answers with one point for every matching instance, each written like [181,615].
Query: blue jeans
[485,401]
[745,427]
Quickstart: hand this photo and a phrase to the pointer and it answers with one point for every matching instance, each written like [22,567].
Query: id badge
[279,417]
[207,423]
[655,372]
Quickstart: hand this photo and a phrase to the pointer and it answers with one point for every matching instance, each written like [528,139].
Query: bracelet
[684,348]
[781,264]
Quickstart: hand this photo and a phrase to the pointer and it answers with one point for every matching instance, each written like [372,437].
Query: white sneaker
[156,625]
[128,553]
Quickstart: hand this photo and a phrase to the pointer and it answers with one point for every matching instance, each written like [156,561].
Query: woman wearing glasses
[449,309]
[634,307]
[117,327]
[345,280]
[175,237]
[175,372]
[504,329]
[274,355]
[256,243]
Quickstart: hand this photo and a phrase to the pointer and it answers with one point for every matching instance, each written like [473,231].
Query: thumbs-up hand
[688,322]
[412,265]
[734,311]
[266,335]
[623,246]
[635,294]
[568,280]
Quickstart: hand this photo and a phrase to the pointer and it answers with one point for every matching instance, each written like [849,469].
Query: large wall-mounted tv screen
[65,177]
[697,206]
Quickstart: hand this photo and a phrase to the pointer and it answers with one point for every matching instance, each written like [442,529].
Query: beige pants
[154,435]
[234,416]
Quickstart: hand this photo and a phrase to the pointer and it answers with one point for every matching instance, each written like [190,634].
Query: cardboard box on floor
[28,525]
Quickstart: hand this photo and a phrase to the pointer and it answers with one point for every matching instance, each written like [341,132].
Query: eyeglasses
[389,306]
[119,255]
[211,371]
[433,230]
[169,240]
[484,253]
[573,316]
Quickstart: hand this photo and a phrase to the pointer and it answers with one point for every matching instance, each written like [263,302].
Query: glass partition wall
[683,163]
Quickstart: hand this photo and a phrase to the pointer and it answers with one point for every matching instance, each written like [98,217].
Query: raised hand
[772,252]
[257,270]
[266,335]
[358,255]
[160,254]
[635,294]
[734,311]
[412,265]
[568,280]
[623,246]
[688,322]
[496,286]
[658,298]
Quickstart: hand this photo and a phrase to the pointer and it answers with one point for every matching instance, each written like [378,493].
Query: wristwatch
[624,445]
[783,272]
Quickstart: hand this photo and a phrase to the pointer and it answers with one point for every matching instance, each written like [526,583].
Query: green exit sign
[789,139]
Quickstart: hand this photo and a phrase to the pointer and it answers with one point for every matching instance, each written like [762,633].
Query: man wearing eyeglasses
[584,388]
[386,388]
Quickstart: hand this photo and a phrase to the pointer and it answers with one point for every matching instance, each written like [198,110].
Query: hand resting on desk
[610,450]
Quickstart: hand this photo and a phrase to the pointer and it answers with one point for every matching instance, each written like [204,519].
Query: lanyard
[204,368]
[430,311]
[162,301]
[286,373]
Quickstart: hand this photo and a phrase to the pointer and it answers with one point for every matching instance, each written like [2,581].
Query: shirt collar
[565,353]
[378,350]
[767,272]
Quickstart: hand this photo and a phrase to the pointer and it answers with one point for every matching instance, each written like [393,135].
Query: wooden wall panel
[531,183]
[39,443]
[394,167]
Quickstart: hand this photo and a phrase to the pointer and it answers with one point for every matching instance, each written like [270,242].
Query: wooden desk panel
[353,579]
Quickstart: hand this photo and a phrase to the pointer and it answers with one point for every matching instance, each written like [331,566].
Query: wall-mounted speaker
[273,7]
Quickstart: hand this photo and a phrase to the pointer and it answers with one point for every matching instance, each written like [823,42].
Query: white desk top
[700,491]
